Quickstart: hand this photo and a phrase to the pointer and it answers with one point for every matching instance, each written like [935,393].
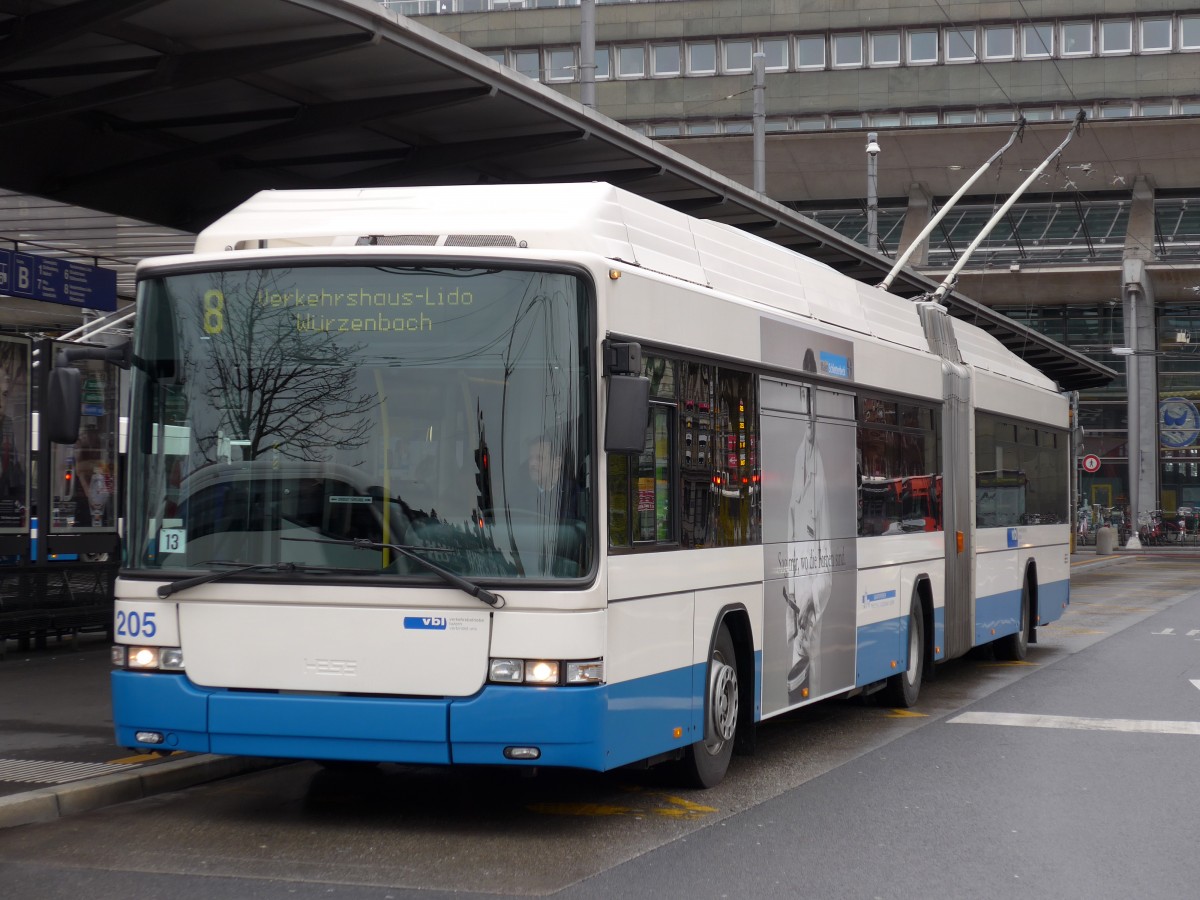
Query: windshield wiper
[183,584]
[468,587]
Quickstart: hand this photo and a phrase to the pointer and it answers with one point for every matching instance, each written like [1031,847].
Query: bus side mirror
[628,409]
[64,397]
[64,387]
[628,399]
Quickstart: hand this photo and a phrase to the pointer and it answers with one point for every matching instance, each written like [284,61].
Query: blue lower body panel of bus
[997,615]
[882,647]
[593,727]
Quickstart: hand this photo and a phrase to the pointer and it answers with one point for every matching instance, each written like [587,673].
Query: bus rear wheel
[707,760]
[903,690]
[1014,647]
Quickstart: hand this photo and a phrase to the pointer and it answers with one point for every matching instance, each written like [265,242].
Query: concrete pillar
[1142,380]
[1141,335]
[1139,234]
[916,217]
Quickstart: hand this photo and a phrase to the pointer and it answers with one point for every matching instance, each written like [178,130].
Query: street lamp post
[873,192]
[587,53]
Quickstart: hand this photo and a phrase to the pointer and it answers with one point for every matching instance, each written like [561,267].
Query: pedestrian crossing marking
[1078,723]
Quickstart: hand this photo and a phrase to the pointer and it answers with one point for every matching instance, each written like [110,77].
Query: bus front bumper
[592,727]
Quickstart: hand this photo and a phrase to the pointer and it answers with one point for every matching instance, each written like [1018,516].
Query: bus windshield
[282,414]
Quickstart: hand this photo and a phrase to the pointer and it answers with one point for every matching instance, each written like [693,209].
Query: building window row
[1113,109]
[921,45]
[858,49]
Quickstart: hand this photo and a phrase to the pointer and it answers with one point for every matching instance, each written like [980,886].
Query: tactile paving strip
[40,771]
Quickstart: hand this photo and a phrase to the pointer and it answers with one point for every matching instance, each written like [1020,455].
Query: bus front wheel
[707,760]
[903,690]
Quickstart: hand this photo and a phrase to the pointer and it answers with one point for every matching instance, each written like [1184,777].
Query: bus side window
[640,495]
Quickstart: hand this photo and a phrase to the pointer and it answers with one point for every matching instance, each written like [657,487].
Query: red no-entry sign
[1091,464]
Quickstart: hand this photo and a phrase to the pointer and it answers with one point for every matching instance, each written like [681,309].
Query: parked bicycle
[1085,534]
[1188,523]
[1114,516]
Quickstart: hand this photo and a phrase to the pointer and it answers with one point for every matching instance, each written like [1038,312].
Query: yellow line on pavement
[905,714]
[143,757]
[671,808]
[583,809]
[686,807]
[1010,663]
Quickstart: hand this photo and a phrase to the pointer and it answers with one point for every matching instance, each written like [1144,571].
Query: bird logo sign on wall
[1178,423]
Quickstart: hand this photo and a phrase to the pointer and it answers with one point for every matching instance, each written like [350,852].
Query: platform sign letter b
[22,276]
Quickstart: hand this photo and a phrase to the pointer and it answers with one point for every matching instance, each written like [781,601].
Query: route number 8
[214,312]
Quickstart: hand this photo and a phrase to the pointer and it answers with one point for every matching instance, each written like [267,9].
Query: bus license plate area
[367,650]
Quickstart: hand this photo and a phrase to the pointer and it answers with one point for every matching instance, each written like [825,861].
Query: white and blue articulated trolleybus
[556,476]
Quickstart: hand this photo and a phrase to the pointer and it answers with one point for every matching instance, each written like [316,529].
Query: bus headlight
[506,670]
[543,672]
[169,659]
[142,658]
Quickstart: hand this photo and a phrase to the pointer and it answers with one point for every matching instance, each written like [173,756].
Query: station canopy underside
[172,112]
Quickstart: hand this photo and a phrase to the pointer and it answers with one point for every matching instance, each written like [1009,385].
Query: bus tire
[903,690]
[1014,647]
[706,761]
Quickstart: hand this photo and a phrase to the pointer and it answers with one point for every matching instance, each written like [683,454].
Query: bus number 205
[136,625]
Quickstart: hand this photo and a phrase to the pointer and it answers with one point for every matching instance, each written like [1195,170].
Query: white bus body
[801,523]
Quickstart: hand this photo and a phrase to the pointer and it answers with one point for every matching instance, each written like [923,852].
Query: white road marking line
[1078,723]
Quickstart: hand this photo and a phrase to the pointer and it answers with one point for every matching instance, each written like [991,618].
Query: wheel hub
[723,705]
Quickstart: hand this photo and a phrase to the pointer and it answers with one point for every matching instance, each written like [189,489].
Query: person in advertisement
[806,595]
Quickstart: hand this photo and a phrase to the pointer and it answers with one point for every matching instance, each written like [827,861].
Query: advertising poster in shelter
[84,474]
[15,425]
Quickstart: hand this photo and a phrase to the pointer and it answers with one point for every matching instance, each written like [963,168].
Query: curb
[48,804]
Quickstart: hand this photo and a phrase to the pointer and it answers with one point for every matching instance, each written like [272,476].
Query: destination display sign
[421,308]
[57,281]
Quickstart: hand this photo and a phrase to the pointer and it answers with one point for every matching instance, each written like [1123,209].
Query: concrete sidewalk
[57,750]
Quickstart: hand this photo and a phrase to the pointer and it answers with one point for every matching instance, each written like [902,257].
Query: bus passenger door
[809,542]
[958,510]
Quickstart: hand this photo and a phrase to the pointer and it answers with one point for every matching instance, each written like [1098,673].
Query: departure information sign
[57,281]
